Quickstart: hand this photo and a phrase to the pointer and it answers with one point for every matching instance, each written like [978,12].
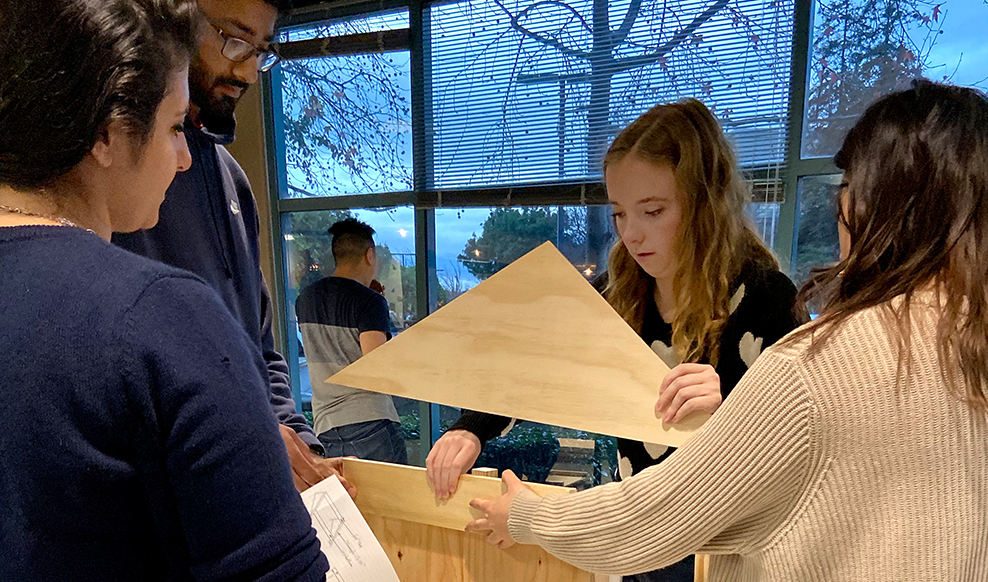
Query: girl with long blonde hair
[688,273]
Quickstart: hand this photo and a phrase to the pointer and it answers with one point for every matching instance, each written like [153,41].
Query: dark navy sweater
[137,442]
[208,225]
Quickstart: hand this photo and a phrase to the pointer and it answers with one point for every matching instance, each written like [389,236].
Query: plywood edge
[403,492]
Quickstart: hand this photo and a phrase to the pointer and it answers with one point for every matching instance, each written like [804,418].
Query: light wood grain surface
[424,553]
[534,341]
[425,540]
[403,492]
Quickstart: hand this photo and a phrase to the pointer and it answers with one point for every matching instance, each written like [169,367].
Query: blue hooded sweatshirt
[208,225]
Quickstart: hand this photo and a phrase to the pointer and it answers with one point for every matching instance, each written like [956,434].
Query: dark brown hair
[916,166]
[351,239]
[71,67]
[715,237]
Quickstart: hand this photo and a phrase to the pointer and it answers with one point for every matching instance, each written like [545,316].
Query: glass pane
[547,454]
[309,258]
[816,241]
[346,124]
[522,91]
[474,243]
[863,49]
[765,215]
[372,23]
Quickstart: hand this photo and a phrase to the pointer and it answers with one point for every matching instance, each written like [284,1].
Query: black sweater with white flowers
[764,308]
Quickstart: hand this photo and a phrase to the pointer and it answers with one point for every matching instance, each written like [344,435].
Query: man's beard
[203,92]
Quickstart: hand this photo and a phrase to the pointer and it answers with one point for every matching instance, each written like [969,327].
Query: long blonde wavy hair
[714,240]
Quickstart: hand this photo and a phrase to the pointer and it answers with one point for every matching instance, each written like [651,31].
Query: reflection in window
[864,49]
[765,216]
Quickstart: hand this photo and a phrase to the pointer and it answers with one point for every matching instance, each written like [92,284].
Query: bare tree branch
[671,44]
[563,5]
[627,24]
[548,41]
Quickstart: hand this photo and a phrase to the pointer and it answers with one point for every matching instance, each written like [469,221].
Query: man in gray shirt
[342,319]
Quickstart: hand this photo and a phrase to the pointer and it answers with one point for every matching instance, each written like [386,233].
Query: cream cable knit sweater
[818,467]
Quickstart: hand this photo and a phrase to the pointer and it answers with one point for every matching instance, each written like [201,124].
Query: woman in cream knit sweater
[857,447]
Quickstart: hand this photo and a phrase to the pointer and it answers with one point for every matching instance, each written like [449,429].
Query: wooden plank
[701,570]
[534,341]
[402,492]
[424,553]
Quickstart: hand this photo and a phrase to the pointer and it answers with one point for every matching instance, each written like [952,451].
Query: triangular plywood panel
[534,341]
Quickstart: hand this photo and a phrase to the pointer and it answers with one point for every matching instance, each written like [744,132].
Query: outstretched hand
[494,523]
[453,454]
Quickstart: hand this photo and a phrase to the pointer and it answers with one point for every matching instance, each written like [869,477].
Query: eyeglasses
[238,51]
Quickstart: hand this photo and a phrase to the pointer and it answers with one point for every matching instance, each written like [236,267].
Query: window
[863,49]
[474,243]
[477,128]
[817,245]
[345,122]
[524,91]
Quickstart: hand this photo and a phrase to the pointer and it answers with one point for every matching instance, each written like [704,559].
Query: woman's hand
[686,389]
[494,524]
[453,454]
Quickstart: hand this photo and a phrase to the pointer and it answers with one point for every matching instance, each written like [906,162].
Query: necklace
[58,219]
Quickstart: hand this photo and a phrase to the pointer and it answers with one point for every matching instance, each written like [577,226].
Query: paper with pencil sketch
[354,553]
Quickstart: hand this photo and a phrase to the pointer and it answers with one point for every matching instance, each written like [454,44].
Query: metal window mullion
[368,201]
[271,106]
[426,281]
[785,243]
[363,43]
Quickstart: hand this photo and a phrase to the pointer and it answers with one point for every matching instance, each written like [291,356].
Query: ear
[369,255]
[111,144]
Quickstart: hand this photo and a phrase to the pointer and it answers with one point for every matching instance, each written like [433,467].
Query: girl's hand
[452,455]
[686,389]
[495,521]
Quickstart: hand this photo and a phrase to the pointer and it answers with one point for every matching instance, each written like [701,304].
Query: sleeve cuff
[522,512]
[485,426]
[309,438]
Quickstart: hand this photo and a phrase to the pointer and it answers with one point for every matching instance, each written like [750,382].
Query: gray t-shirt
[332,313]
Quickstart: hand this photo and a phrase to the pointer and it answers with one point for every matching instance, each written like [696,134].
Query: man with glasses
[208,221]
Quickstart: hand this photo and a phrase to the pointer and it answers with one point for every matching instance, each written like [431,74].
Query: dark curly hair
[71,67]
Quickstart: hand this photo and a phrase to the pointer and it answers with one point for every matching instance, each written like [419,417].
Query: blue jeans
[678,572]
[374,440]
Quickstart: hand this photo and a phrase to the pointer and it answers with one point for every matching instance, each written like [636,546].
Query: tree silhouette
[509,233]
[347,120]
[863,49]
